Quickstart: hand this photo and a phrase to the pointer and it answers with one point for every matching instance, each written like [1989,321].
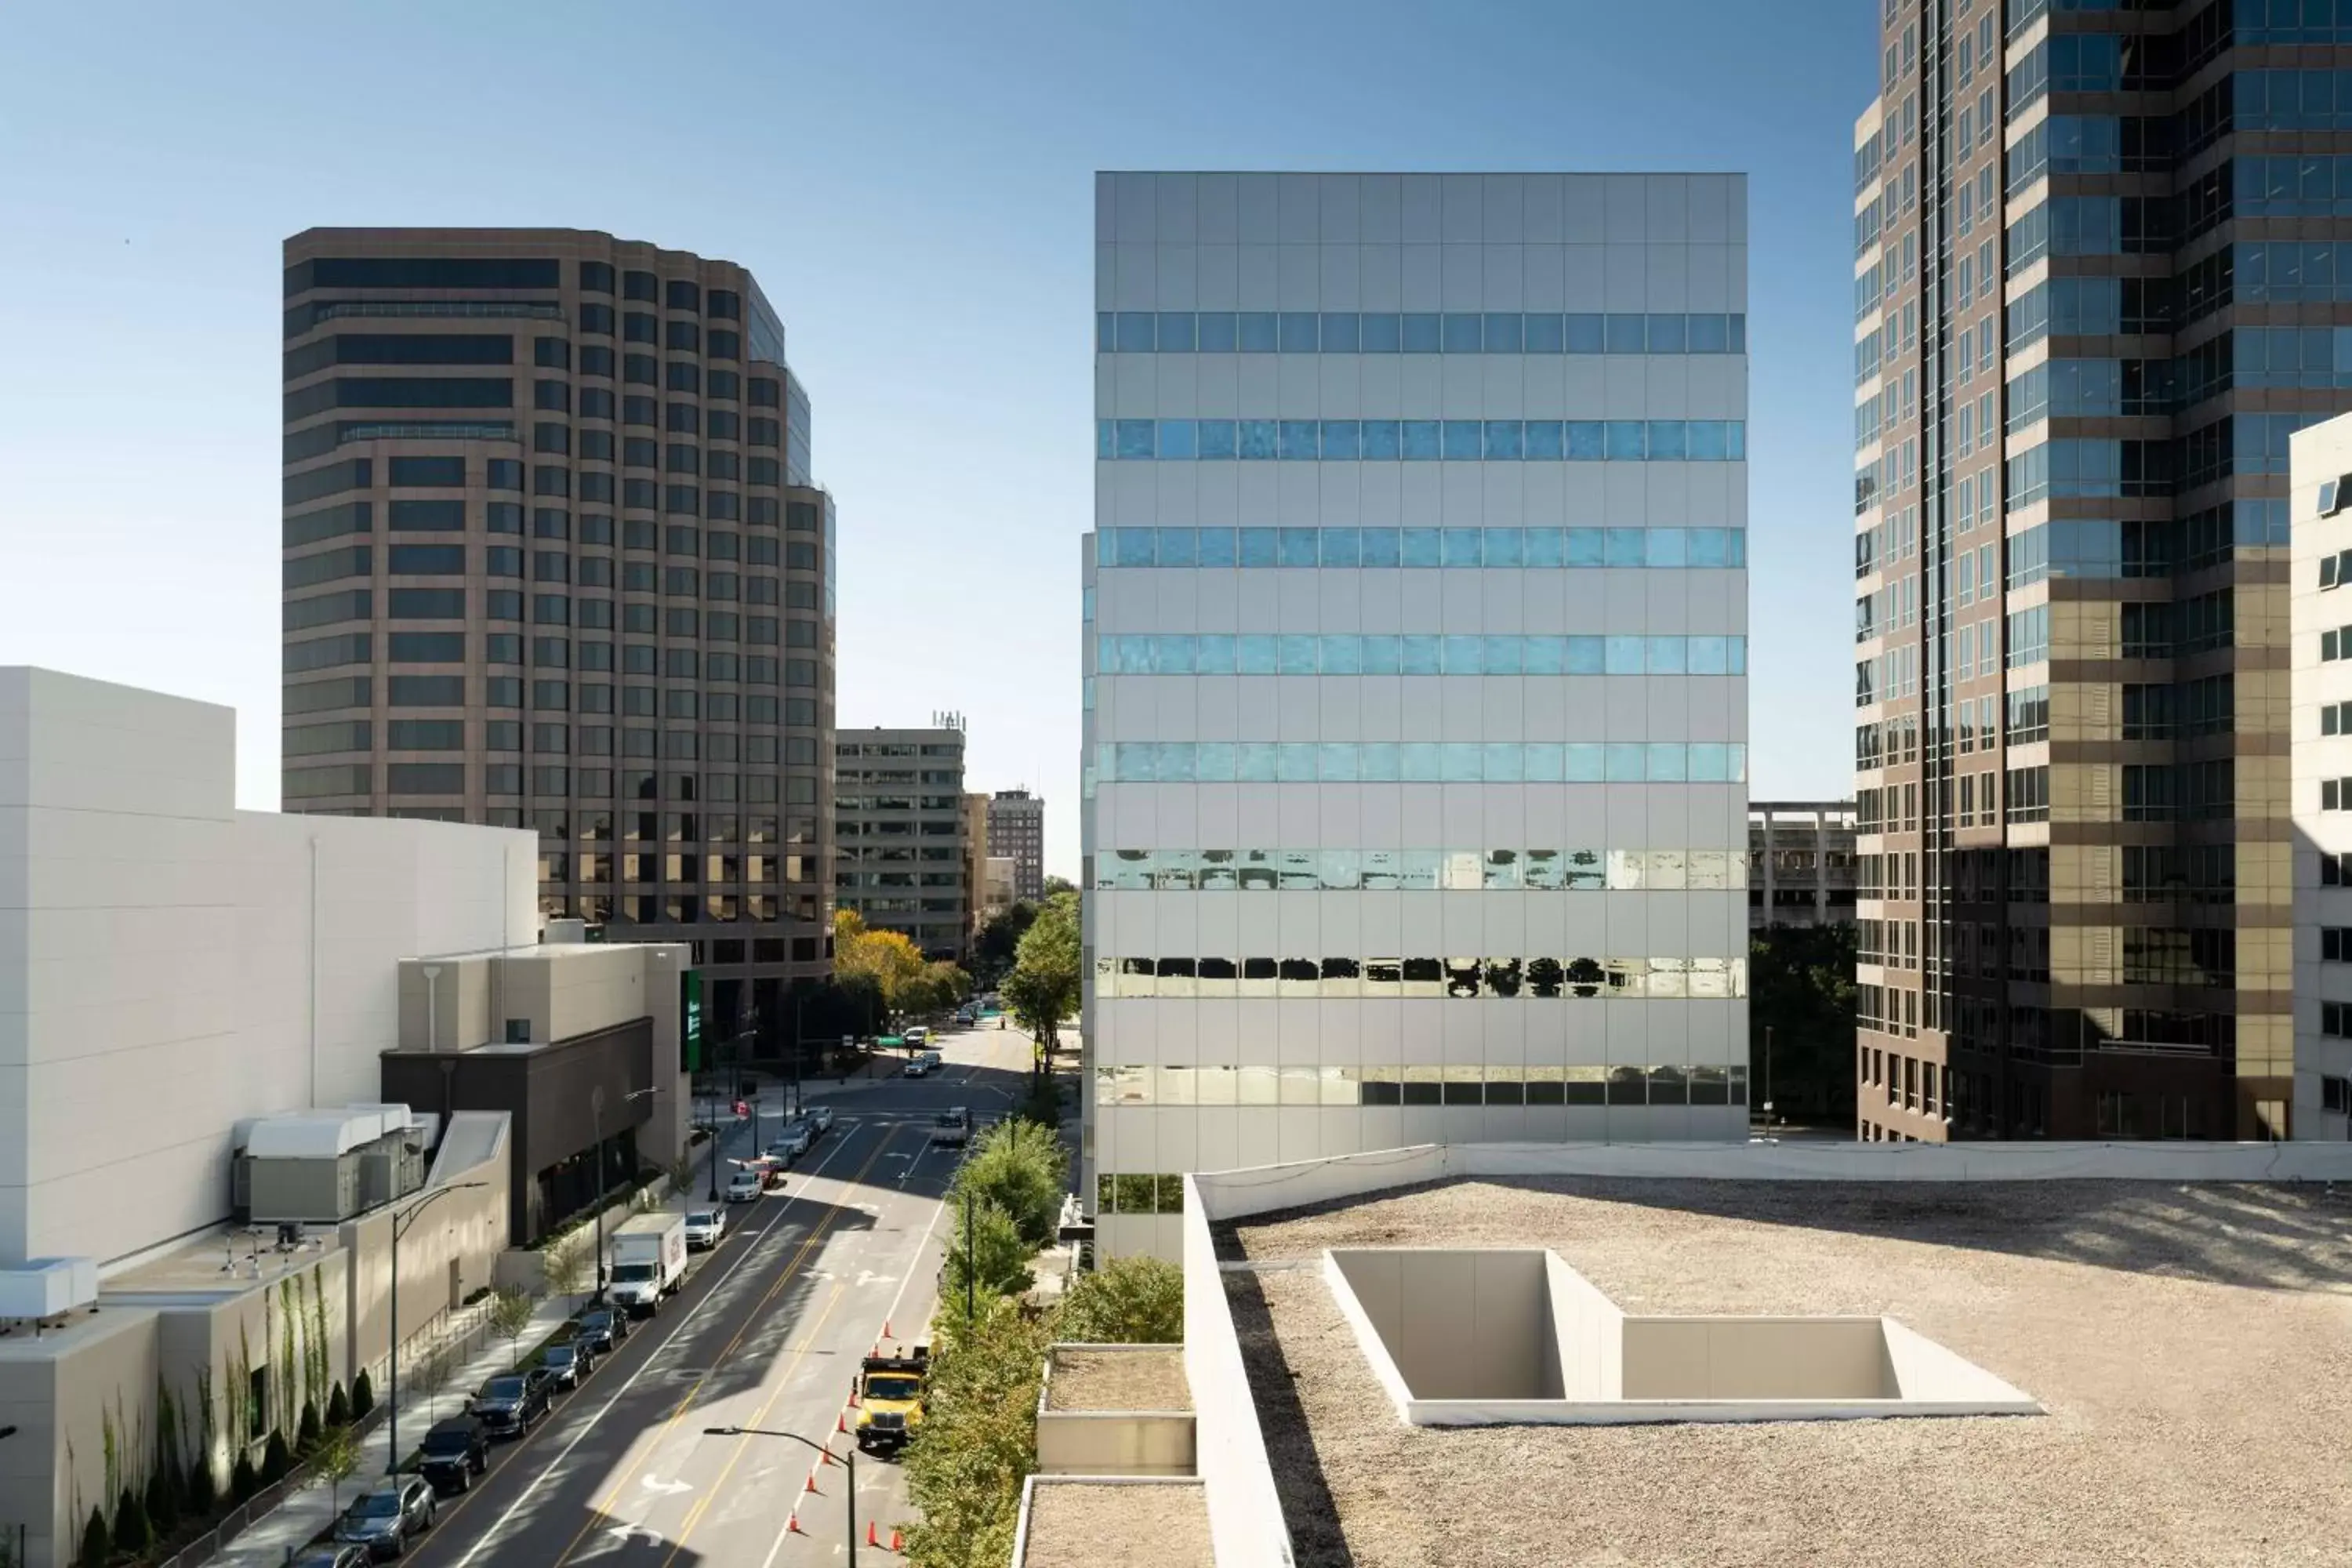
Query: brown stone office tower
[2103,267]
[553,559]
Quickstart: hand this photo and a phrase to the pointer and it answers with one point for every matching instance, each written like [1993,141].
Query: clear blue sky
[912,183]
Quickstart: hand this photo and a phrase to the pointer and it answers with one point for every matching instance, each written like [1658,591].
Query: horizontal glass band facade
[1348,653]
[1422,441]
[1420,762]
[1417,871]
[1387,1084]
[1417,332]
[1484,547]
[1458,978]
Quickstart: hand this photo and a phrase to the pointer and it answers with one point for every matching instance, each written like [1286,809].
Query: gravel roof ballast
[1106,1524]
[2191,1345]
[1145,1378]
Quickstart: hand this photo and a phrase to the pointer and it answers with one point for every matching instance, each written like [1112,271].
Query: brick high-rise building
[2102,272]
[555,559]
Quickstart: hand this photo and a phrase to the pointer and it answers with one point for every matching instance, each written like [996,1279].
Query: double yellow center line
[598,1515]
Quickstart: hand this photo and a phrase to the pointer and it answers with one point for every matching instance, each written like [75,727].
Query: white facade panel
[1417,765]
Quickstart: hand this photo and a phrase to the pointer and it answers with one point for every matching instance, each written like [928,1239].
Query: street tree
[1126,1302]
[1043,987]
[509,1315]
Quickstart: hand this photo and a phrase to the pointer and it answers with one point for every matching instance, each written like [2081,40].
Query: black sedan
[509,1405]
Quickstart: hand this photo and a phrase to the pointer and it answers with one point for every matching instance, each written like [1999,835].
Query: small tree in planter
[338,1408]
[242,1480]
[276,1458]
[565,1262]
[130,1522]
[509,1315]
[338,1454]
[362,1395]
[306,1435]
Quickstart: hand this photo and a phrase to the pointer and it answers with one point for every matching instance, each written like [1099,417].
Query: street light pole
[596,1124]
[401,1223]
[848,1457]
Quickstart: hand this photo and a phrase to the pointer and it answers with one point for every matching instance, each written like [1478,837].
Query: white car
[915,1067]
[743,1186]
[795,1139]
[821,1119]
[704,1228]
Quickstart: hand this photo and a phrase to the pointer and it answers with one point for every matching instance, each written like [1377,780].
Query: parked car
[509,1404]
[567,1364]
[796,1137]
[333,1557]
[821,1118]
[385,1518]
[741,1188]
[454,1453]
[931,1062]
[602,1330]
[917,1038]
[916,1067]
[705,1228]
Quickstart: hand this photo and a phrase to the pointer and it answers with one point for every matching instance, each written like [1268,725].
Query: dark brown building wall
[549,1090]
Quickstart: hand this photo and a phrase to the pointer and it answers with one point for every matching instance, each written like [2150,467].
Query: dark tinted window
[353,475]
[685,377]
[766,393]
[505,474]
[423,348]
[330,522]
[596,278]
[427,514]
[683,295]
[426,690]
[428,647]
[685,337]
[400,392]
[595,360]
[596,318]
[324,609]
[639,327]
[426,778]
[426,560]
[551,353]
[723,305]
[421,473]
[422,272]
[725,344]
[640,285]
[321,695]
[428,603]
[642,369]
[310,570]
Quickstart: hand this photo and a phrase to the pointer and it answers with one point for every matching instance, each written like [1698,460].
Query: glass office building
[2102,273]
[1416,669]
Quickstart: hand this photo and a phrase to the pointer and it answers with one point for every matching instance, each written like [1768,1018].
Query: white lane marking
[645,1366]
[666,1488]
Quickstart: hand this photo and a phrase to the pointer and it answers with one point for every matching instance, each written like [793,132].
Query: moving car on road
[821,1118]
[333,1557]
[916,1067]
[567,1364]
[793,1141]
[385,1518]
[509,1403]
[704,1227]
[454,1453]
[951,1129]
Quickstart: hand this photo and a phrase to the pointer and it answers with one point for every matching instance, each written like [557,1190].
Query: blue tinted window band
[1349,653]
[1417,332]
[1422,440]
[1458,547]
[1420,762]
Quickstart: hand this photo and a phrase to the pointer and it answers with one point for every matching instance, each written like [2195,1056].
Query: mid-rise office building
[554,559]
[975,863]
[1415,695]
[1800,863]
[900,825]
[2097,288]
[2320,722]
[1016,827]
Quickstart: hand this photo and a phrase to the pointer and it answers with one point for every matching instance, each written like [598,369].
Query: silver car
[386,1519]
[821,1118]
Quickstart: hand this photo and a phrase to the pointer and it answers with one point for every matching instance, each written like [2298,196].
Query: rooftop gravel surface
[1150,1379]
[2192,1346]
[1095,1525]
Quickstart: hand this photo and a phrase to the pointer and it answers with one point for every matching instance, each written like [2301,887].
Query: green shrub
[242,1480]
[202,1495]
[130,1522]
[306,1434]
[362,1395]
[97,1546]
[162,1502]
[979,1439]
[338,1408]
[1127,1302]
[276,1458]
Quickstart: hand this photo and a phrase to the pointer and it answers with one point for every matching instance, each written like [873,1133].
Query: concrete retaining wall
[1246,1525]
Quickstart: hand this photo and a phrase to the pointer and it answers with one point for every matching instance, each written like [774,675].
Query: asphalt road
[767,1333]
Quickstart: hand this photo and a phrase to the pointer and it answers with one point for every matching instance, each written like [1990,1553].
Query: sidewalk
[266,1542]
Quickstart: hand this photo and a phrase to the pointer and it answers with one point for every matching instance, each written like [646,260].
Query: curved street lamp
[848,1457]
[400,1225]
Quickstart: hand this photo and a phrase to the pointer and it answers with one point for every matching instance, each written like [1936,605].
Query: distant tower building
[1016,827]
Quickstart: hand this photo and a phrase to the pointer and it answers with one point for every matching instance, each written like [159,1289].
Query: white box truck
[649,1261]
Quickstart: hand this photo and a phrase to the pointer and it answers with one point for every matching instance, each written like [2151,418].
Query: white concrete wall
[1755,1358]
[1589,1327]
[1459,1324]
[1245,1523]
[165,969]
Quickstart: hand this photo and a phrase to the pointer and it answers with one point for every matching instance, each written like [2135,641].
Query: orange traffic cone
[886,1330]
[808,1486]
[829,1459]
[896,1540]
[840,1422]
[871,1538]
[793,1523]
